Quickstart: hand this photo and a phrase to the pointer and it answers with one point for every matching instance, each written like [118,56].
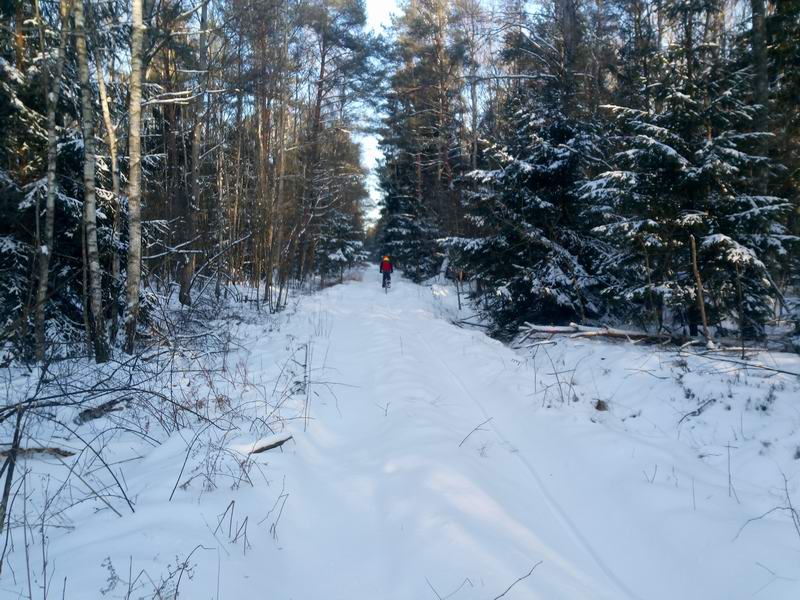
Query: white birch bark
[134,178]
[89,200]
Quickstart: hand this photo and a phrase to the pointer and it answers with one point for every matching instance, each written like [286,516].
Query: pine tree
[421,137]
[681,168]
[530,256]
[407,231]
[783,63]
[24,187]
[528,251]
[339,232]
[340,245]
[23,140]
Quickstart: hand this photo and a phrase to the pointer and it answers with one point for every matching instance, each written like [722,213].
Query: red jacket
[386,267]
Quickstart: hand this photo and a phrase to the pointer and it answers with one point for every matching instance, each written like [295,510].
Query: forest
[632,161]
[152,144]
[593,210]
[629,161]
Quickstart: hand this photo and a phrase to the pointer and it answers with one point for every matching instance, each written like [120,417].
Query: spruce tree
[529,254]
[683,166]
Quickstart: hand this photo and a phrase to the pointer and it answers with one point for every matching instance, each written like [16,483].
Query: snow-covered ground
[430,461]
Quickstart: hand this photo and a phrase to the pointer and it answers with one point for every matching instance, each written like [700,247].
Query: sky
[379,14]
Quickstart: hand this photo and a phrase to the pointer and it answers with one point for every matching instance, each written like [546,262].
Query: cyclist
[386,268]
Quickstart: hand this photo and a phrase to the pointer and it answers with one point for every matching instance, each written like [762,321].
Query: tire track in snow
[554,507]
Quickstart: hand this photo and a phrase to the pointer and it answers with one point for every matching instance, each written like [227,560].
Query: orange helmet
[385,258]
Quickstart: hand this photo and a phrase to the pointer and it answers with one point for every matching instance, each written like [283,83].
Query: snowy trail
[391,507]
[394,345]
[389,490]
[552,505]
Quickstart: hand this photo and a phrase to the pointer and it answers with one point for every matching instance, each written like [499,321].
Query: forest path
[392,499]
[429,461]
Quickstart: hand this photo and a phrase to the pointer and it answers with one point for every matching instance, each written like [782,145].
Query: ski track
[569,526]
[399,342]
[433,516]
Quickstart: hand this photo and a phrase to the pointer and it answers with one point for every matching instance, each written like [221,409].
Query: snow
[11,71]
[9,245]
[735,252]
[665,150]
[337,256]
[606,183]
[428,459]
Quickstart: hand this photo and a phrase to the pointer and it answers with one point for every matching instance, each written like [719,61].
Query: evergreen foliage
[559,157]
[611,135]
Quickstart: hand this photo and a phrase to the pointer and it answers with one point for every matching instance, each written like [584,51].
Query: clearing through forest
[430,461]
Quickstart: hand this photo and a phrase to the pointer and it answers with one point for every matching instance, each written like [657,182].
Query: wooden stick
[528,574]
[477,428]
[270,446]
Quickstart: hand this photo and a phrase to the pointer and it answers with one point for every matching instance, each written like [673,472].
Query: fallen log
[712,351]
[575,330]
[554,329]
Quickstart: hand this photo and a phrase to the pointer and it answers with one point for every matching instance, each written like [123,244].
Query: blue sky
[379,14]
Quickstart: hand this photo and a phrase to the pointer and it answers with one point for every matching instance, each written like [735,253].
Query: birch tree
[134,178]
[95,292]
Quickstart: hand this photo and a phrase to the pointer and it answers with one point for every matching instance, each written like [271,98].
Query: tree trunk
[701,304]
[567,13]
[235,229]
[52,90]
[473,92]
[279,195]
[111,140]
[221,208]
[311,192]
[194,204]
[97,319]
[758,40]
[19,35]
[689,47]
[134,177]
